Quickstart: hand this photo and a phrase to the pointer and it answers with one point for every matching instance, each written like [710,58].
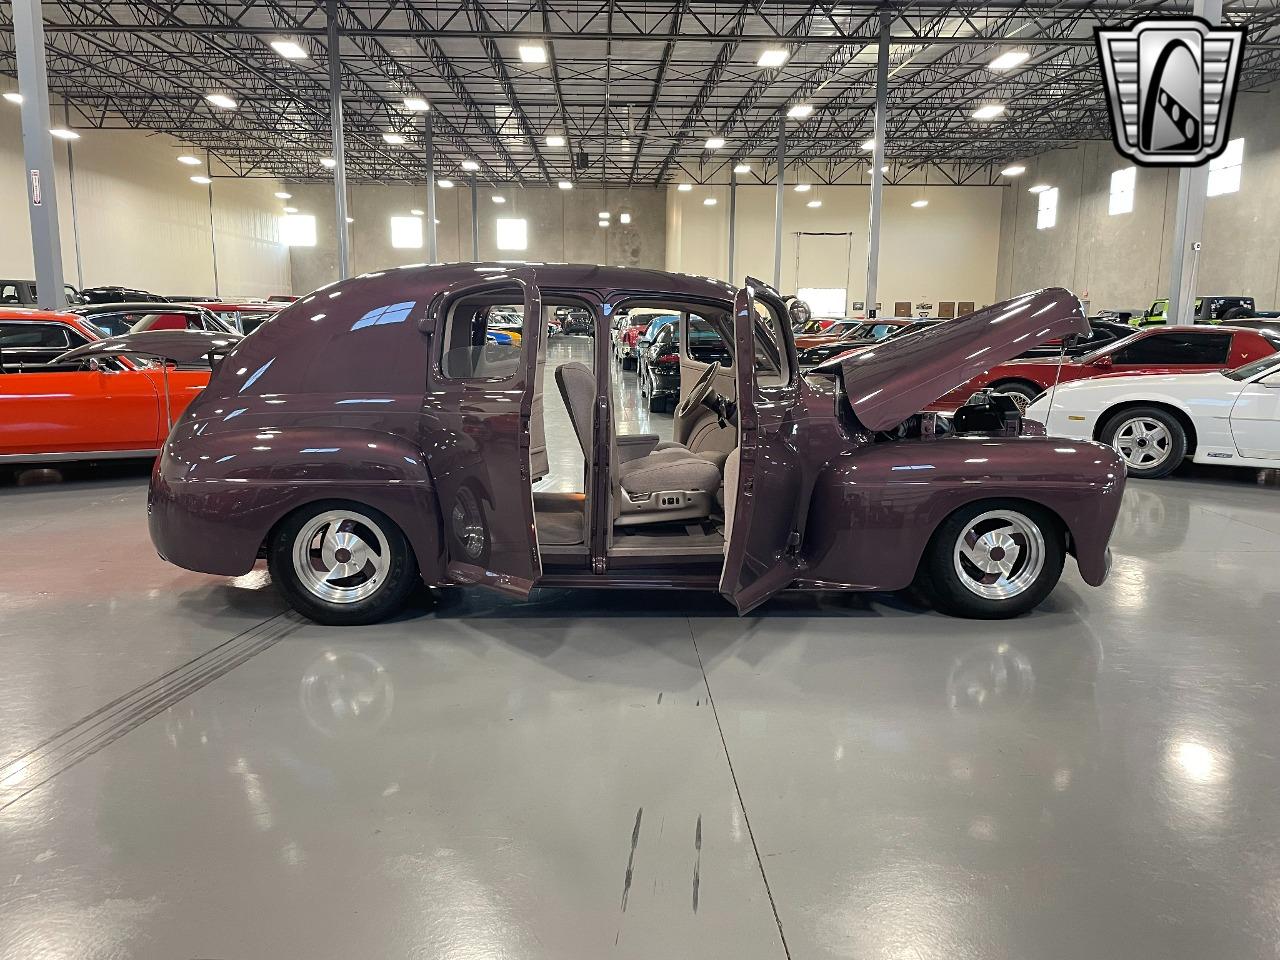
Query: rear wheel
[342,563]
[1151,441]
[1020,393]
[992,560]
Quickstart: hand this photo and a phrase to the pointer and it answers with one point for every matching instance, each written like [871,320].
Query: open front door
[476,431]
[764,515]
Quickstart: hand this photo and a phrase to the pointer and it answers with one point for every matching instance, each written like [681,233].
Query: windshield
[1252,369]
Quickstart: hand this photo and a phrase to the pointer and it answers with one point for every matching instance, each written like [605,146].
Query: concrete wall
[945,251]
[1122,261]
[562,227]
[141,221]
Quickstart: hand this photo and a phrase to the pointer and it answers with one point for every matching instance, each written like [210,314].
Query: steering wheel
[699,391]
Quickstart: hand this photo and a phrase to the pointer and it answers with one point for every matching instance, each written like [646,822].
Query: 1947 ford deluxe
[371,435]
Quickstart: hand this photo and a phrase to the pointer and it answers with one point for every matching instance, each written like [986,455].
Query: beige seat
[666,482]
[539,462]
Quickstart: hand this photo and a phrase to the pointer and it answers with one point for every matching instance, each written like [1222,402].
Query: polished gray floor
[187,772]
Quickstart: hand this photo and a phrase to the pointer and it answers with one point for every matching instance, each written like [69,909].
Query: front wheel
[1151,441]
[342,564]
[992,560]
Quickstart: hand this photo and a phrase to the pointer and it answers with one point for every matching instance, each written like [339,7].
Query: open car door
[476,432]
[764,477]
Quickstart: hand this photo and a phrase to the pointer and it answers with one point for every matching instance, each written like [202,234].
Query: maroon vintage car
[371,437]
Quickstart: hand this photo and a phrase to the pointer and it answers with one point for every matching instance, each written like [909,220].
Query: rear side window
[9,294]
[482,341]
[706,345]
[49,336]
[1176,348]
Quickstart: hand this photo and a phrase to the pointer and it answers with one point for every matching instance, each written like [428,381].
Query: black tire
[657,404]
[1238,313]
[1021,392]
[394,584]
[1139,464]
[1035,571]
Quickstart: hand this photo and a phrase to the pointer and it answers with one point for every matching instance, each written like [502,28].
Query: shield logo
[1171,86]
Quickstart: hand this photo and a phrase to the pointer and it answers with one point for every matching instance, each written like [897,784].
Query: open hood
[889,382]
[180,346]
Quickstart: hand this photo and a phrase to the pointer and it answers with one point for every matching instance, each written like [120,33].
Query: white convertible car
[1228,416]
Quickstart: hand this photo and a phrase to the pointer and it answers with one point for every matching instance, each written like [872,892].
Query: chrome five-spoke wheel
[1000,554]
[341,556]
[1143,442]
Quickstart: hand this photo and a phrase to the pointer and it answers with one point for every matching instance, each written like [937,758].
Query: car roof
[35,313]
[150,306]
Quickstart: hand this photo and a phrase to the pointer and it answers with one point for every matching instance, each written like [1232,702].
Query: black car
[119,295]
[862,335]
[574,320]
[1103,332]
[658,365]
[116,319]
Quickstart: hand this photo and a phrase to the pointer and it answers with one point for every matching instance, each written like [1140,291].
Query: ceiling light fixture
[624,218]
[13,96]
[988,112]
[555,140]
[920,203]
[289,49]
[191,161]
[203,181]
[814,203]
[62,133]
[565,184]
[799,111]
[803,187]
[742,168]
[714,143]
[416,104]
[1007,61]
[328,162]
[1016,170]
[1038,188]
[605,215]
[281,195]
[771,58]
[533,53]
[445,184]
[290,209]
[470,166]
[496,198]
[684,187]
[393,139]
[415,212]
[868,144]
[221,100]
[709,202]
[351,220]
[872,168]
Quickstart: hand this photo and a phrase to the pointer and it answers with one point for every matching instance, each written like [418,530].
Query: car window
[114,324]
[770,354]
[481,342]
[706,345]
[1171,349]
[9,293]
[49,336]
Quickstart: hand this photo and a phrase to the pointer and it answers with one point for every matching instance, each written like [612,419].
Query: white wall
[141,221]
[945,251]
[1123,261]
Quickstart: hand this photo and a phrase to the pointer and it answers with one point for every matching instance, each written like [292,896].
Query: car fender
[874,510]
[213,503]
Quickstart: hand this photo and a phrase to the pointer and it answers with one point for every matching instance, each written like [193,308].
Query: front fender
[874,509]
[215,497]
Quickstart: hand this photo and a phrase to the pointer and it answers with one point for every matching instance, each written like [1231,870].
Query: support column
[777,207]
[877,162]
[37,153]
[733,211]
[475,221]
[75,213]
[339,142]
[432,252]
[1188,217]
[213,233]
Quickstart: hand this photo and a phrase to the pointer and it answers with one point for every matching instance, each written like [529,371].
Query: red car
[1157,350]
[112,407]
[243,317]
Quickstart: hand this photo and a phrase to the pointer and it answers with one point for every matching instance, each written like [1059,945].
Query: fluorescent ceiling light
[605,214]
[742,168]
[555,140]
[602,223]
[445,184]
[989,112]
[416,104]
[394,139]
[221,100]
[281,195]
[290,209]
[714,143]
[814,203]
[624,218]
[772,57]
[289,49]
[416,212]
[203,181]
[470,165]
[1038,188]
[919,203]
[684,187]
[1007,61]
[328,162]
[709,202]
[868,144]
[62,133]
[498,199]
[533,53]
[1014,171]
[799,111]
[565,184]
[191,161]
[872,168]
[351,220]
[803,187]
[12,96]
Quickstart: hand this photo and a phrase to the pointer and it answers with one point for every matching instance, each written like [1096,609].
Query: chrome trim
[77,455]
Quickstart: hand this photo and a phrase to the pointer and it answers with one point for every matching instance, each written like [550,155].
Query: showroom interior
[572,478]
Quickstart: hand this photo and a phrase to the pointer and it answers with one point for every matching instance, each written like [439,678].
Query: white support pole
[877,163]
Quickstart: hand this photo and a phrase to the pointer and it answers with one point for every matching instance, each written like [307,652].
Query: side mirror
[1103,362]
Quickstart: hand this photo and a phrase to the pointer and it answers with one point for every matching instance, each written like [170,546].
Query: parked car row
[22,293]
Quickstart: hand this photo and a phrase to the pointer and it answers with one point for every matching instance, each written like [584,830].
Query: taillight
[667,358]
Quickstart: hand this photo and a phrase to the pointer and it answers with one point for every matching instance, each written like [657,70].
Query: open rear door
[476,423]
[764,515]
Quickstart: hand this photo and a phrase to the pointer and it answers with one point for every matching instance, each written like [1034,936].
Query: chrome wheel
[1000,554]
[341,556]
[1143,442]
[1020,400]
